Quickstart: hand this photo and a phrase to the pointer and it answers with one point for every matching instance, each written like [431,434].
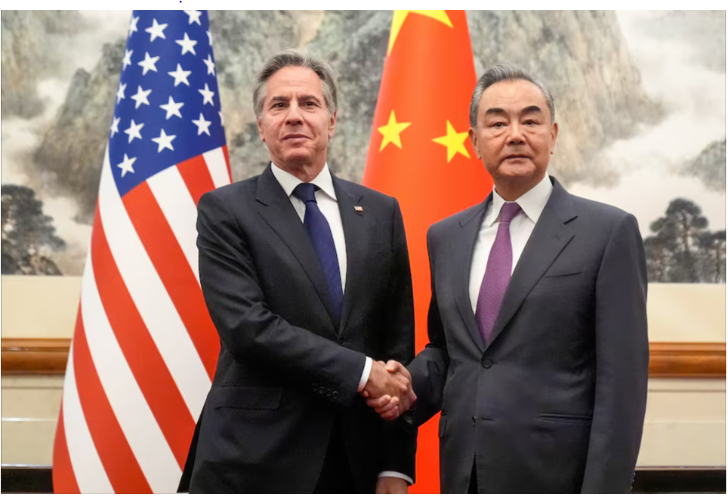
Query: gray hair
[288,58]
[506,72]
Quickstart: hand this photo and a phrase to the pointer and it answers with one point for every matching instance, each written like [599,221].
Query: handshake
[389,389]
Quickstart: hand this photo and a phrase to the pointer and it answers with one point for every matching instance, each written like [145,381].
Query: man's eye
[498,124]
[530,122]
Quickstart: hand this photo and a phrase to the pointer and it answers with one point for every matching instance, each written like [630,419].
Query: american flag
[144,349]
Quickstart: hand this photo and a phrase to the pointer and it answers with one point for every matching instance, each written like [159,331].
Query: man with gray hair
[307,279]
[538,353]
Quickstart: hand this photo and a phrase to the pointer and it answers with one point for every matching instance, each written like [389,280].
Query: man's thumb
[393,366]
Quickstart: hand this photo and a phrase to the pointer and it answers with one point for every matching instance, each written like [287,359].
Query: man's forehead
[519,91]
[294,78]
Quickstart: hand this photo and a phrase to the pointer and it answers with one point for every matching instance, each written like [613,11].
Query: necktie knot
[509,211]
[305,192]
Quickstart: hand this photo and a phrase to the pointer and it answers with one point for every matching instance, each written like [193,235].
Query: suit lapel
[549,237]
[463,256]
[276,209]
[355,234]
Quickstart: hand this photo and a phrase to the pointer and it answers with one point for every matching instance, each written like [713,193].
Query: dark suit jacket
[286,368]
[555,402]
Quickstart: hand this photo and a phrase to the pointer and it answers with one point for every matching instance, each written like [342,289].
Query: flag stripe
[180,211]
[121,467]
[227,162]
[168,259]
[142,355]
[196,176]
[90,474]
[64,480]
[131,409]
[217,163]
[151,299]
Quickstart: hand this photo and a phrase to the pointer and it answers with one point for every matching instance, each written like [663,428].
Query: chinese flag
[420,153]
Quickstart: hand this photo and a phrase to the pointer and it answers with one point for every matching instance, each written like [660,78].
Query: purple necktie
[497,273]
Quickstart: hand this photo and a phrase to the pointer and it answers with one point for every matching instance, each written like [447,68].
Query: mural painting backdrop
[640,100]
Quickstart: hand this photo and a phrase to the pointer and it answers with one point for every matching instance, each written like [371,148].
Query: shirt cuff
[364,375]
[389,473]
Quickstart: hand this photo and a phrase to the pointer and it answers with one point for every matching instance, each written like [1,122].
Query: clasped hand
[389,389]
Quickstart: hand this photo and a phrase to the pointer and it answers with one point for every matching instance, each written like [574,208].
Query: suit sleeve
[429,368]
[400,436]
[400,335]
[622,361]
[247,327]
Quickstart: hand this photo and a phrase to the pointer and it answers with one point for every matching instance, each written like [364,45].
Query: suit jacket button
[486,363]
[474,420]
[315,387]
[335,395]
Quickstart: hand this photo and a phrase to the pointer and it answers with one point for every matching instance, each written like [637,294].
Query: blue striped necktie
[322,240]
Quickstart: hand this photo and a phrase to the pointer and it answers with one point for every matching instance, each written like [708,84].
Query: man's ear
[260,130]
[332,124]
[554,134]
[474,140]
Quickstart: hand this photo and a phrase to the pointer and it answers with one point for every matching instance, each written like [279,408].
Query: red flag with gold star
[420,153]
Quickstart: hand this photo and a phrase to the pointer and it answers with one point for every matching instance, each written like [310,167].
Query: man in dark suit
[307,279]
[538,353]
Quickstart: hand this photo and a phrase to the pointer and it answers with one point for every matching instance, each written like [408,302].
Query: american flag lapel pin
[358,209]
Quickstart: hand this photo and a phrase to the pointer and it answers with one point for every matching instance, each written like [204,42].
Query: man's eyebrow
[495,111]
[531,109]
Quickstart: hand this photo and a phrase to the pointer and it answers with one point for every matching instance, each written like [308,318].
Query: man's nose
[294,115]
[515,134]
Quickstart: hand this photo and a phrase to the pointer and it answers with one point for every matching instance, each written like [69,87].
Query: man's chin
[525,171]
[296,160]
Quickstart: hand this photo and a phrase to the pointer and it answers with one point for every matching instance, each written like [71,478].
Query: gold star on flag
[401,15]
[454,141]
[391,131]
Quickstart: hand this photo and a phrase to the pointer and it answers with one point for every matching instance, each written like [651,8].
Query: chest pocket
[560,280]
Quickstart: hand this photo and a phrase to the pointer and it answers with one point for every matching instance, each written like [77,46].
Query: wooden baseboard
[694,360]
[679,360]
[34,356]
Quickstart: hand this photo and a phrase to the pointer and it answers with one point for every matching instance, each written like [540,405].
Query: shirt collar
[289,182]
[531,202]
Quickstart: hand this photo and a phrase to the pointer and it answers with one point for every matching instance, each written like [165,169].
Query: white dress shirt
[329,206]
[532,204]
